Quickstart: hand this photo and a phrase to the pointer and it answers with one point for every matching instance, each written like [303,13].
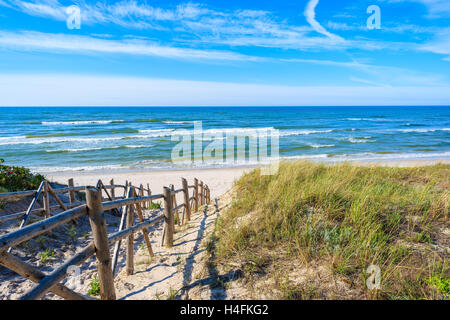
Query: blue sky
[304,52]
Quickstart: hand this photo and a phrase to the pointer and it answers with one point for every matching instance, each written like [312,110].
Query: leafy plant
[155,205]
[14,178]
[47,254]
[72,232]
[94,289]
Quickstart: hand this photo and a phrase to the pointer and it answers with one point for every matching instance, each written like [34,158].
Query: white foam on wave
[423,130]
[317,146]
[98,149]
[25,140]
[84,122]
[372,119]
[177,122]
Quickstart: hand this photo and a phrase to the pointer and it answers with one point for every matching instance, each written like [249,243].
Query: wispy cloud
[310,14]
[30,40]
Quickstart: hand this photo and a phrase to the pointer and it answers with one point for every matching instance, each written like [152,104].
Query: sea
[56,139]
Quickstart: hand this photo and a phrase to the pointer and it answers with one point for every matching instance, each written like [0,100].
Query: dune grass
[346,218]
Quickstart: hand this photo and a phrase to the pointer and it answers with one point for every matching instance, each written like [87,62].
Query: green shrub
[155,205]
[94,289]
[47,254]
[18,179]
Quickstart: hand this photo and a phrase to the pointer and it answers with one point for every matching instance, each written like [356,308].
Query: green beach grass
[343,218]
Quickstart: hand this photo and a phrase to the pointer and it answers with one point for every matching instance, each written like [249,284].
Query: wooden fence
[127,207]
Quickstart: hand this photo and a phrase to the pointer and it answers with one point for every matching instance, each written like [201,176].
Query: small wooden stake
[98,226]
[168,221]
[46,200]
[130,242]
[202,193]
[71,192]
[195,195]
[187,207]
[144,231]
[149,193]
[113,190]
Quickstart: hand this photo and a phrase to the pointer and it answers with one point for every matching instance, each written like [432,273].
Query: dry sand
[218,180]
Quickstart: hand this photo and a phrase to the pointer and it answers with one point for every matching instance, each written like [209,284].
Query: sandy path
[164,275]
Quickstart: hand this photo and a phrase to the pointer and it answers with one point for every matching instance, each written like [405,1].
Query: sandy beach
[219,180]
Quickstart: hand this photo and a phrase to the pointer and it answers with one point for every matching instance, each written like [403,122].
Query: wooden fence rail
[127,207]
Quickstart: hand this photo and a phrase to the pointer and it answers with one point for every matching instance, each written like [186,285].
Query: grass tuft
[346,217]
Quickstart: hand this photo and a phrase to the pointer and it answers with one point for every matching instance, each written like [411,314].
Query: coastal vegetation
[341,218]
[14,178]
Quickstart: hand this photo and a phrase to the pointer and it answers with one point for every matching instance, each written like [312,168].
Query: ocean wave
[317,146]
[177,122]
[97,149]
[15,140]
[84,122]
[423,130]
[373,119]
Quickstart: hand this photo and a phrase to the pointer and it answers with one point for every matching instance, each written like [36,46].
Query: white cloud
[310,14]
[76,90]
[440,44]
[50,42]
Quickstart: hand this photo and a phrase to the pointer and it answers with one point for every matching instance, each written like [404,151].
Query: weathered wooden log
[186,199]
[113,190]
[98,226]
[202,194]
[118,236]
[36,211]
[121,227]
[71,192]
[149,193]
[109,205]
[33,230]
[57,275]
[130,243]
[29,272]
[46,199]
[168,214]
[174,204]
[196,195]
[144,231]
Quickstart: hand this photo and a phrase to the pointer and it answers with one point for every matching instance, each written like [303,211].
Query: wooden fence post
[71,192]
[195,195]
[144,231]
[46,200]
[168,214]
[202,193]
[149,193]
[113,191]
[187,206]
[130,241]
[98,226]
